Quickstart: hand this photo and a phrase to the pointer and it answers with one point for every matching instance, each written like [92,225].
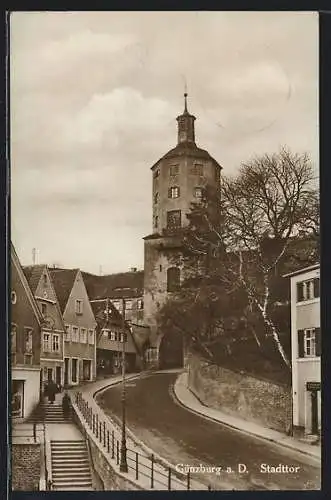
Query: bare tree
[245,229]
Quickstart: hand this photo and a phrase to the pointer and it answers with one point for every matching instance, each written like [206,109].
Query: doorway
[58,375]
[314,412]
[74,365]
[66,371]
[86,369]
[49,374]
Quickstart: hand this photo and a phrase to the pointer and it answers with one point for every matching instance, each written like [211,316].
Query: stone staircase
[49,413]
[70,466]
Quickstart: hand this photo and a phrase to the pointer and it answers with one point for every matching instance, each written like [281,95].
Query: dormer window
[43,309]
[13,297]
[79,307]
[198,193]
[44,279]
[156,173]
[173,192]
[156,197]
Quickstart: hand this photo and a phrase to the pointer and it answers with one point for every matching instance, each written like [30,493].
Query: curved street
[185,438]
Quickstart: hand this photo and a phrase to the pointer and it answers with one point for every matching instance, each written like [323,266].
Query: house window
[156,173]
[307,290]
[79,307]
[198,192]
[56,343]
[197,169]
[67,333]
[173,192]
[75,334]
[156,221]
[140,304]
[13,338]
[112,336]
[156,197]
[173,219]
[117,304]
[46,342]
[28,340]
[13,297]
[91,336]
[120,337]
[309,342]
[173,279]
[105,333]
[128,305]
[174,170]
[43,309]
[83,335]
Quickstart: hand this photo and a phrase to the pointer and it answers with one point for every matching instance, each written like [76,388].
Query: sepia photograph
[164,286]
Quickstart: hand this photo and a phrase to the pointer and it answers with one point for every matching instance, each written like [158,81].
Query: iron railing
[159,475]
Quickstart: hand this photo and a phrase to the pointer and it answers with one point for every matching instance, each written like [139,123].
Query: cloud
[94,100]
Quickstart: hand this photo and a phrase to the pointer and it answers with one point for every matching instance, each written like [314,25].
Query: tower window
[156,221]
[198,192]
[174,170]
[173,192]
[156,197]
[173,279]
[197,169]
[173,219]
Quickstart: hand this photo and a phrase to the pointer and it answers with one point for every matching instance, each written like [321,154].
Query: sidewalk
[186,397]
[134,445]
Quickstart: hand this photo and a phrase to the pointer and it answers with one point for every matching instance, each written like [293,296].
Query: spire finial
[185,102]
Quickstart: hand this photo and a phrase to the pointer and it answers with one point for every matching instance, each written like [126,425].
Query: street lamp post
[123,462]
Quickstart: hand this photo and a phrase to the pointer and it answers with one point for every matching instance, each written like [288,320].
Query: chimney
[133,269]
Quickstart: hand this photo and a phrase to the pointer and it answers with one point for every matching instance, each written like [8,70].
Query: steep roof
[15,260]
[187,149]
[33,275]
[119,285]
[100,315]
[63,280]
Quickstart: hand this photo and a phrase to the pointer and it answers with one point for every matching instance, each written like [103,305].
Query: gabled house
[25,328]
[128,286]
[80,325]
[109,335]
[52,334]
[306,350]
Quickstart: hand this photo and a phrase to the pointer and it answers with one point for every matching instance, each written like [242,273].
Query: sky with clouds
[94,98]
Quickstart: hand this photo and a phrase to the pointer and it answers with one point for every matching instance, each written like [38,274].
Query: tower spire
[186,124]
[185,101]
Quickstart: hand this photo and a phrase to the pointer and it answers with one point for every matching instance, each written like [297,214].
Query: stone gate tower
[178,179]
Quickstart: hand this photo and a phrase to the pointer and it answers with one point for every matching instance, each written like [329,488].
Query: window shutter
[301,348]
[178,192]
[299,292]
[169,193]
[316,287]
[318,341]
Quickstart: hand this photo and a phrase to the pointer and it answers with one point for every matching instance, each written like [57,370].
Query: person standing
[51,391]
[66,405]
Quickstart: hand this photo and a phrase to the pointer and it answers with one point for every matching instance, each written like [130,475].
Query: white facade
[27,382]
[305,337]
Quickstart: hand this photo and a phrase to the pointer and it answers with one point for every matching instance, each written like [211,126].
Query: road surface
[187,439]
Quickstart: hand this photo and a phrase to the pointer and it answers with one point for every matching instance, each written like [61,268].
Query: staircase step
[78,488]
[73,482]
[69,473]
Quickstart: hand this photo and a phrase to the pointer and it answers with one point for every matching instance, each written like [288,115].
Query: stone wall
[105,477]
[25,466]
[250,398]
